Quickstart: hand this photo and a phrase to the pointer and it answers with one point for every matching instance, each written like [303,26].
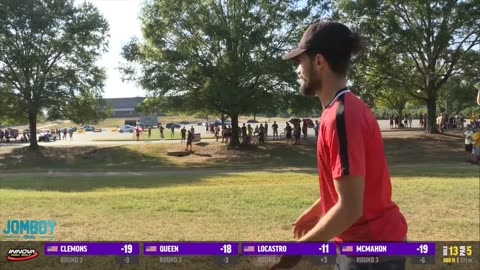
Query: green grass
[424,148]
[220,206]
[435,189]
[439,153]
[154,156]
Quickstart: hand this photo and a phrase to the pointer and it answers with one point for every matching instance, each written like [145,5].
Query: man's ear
[320,61]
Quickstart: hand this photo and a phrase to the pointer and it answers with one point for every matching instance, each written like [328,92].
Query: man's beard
[310,86]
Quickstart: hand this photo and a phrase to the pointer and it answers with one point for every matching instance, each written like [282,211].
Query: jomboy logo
[29,228]
[21,254]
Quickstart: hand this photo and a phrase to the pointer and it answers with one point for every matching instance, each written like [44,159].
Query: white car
[126,128]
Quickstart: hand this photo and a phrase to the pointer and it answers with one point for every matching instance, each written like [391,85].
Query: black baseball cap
[322,36]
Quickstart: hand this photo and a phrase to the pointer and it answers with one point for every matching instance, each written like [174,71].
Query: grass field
[428,151]
[242,206]
[435,189]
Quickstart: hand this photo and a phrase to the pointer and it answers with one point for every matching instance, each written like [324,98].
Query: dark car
[88,128]
[169,125]
[252,121]
[184,122]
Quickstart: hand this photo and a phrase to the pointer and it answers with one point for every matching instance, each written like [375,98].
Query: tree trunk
[32,119]
[400,116]
[234,141]
[254,116]
[432,115]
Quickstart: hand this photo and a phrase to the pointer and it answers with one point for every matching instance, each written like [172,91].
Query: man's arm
[316,205]
[478,97]
[340,217]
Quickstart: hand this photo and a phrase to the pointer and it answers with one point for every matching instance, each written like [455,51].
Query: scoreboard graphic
[231,255]
[455,254]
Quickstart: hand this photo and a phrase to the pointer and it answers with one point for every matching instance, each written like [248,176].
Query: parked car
[218,122]
[252,121]
[88,128]
[126,128]
[184,122]
[169,125]
[47,136]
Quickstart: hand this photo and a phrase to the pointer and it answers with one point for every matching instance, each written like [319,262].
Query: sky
[122,16]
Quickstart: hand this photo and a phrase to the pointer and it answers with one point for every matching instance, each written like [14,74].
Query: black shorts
[189,143]
[361,263]
[468,148]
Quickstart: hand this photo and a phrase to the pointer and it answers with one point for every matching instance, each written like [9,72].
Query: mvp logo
[29,228]
[21,254]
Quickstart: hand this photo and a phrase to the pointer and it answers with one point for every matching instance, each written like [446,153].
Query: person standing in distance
[477,85]
[355,203]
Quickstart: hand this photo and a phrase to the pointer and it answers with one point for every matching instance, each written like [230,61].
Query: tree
[302,106]
[218,56]
[417,44]
[151,105]
[378,92]
[9,113]
[85,108]
[458,93]
[48,50]
[395,99]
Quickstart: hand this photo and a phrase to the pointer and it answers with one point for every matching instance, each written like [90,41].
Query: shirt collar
[339,93]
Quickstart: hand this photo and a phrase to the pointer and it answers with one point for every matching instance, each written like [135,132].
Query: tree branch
[456,57]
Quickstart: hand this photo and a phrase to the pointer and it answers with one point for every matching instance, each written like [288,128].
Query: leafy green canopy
[219,56]
[414,46]
[48,50]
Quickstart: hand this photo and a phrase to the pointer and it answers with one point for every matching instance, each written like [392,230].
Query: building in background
[124,107]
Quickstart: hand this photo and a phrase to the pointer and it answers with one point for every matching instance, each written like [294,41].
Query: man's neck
[330,88]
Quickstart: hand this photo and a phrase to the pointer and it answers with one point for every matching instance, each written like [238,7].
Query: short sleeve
[346,139]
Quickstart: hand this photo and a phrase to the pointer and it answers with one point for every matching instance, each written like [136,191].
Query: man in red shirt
[355,201]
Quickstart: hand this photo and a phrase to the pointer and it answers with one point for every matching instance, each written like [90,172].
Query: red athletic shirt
[350,143]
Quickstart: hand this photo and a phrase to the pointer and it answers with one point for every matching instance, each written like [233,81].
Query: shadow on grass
[82,158]
[420,155]
[87,184]
[202,144]
[270,155]
[424,149]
